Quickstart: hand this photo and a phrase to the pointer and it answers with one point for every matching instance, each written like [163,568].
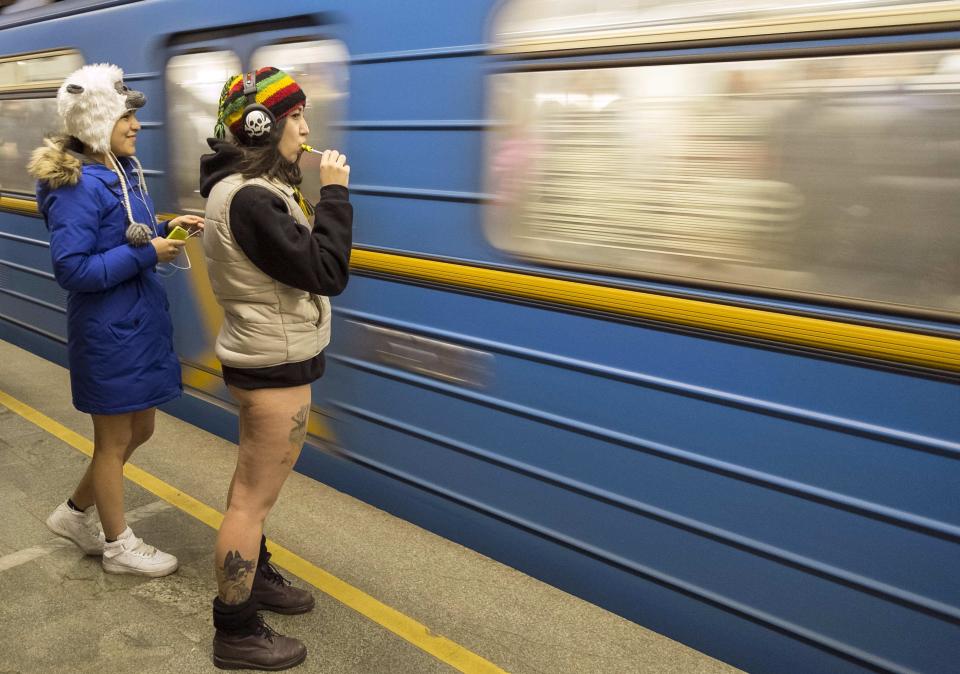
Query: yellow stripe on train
[893,346]
[872,342]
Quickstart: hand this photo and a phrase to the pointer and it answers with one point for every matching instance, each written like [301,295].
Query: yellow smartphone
[178,233]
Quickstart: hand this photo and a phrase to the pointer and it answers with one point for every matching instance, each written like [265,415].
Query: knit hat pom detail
[138,234]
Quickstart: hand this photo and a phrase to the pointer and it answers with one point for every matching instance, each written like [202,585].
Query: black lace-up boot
[273,592]
[244,641]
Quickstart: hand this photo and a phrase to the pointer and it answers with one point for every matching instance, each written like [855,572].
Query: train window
[532,25]
[836,177]
[37,71]
[12,6]
[28,110]
[194,82]
[319,67]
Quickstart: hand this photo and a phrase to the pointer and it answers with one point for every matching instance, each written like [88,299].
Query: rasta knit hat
[276,91]
[91,100]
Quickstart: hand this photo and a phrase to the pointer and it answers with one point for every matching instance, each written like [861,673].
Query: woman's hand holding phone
[167,249]
[191,223]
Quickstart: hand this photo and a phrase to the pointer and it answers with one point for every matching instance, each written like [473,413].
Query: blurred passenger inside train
[273,258]
[105,243]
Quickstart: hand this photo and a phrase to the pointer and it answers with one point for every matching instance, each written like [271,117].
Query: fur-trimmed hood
[55,164]
[58,164]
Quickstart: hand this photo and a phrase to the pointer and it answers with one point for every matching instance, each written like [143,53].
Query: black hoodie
[316,261]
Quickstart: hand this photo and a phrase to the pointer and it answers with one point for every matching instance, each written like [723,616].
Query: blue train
[658,302]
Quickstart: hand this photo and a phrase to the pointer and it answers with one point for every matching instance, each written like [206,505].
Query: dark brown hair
[266,160]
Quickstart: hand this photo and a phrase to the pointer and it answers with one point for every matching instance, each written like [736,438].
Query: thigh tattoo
[299,431]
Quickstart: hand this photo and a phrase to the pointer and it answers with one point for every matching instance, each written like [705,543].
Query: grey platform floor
[61,613]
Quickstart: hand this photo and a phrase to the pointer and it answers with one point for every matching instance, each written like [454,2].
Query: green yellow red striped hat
[276,91]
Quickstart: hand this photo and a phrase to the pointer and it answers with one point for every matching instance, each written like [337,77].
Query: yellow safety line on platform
[403,626]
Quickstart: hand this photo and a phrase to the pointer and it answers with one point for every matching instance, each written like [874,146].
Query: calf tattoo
[299,431]
[232,578]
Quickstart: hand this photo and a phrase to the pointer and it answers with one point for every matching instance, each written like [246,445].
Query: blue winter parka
[119,331]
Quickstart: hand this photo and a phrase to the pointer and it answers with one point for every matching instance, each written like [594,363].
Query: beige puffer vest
[265,322]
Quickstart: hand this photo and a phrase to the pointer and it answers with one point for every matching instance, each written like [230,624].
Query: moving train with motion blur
[658,302]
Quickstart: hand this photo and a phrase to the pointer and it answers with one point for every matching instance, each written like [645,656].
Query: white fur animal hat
[92,99]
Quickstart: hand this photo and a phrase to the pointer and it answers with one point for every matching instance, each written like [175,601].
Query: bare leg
[143,423]
[83,496]
[142,428]
[115,436]
[273,425]
[111,436]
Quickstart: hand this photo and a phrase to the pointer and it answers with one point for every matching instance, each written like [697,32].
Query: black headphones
[256,121]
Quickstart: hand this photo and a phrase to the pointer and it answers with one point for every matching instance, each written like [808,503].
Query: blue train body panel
[782,509]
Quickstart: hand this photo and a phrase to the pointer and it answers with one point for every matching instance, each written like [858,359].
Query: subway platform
[391,597]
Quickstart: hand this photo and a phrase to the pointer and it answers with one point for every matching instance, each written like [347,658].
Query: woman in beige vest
[273,258]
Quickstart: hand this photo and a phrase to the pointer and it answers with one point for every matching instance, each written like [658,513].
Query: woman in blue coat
[105,243]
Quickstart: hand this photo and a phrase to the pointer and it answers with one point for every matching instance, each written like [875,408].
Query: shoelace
[270,573]
[92,524]
[142,549]
[265,629]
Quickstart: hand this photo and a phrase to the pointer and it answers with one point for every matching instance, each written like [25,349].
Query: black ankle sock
[235,618]
[73,506]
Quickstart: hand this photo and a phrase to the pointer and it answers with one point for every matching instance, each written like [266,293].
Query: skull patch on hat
[257,124]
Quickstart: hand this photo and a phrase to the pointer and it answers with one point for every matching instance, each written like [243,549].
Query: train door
[197,65]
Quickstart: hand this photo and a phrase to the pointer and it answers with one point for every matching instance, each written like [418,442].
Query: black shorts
[276,376]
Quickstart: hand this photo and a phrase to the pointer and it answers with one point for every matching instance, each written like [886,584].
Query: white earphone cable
[153,218]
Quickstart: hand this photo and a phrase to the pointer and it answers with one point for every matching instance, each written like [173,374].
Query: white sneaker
[80,527]
[129,554]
